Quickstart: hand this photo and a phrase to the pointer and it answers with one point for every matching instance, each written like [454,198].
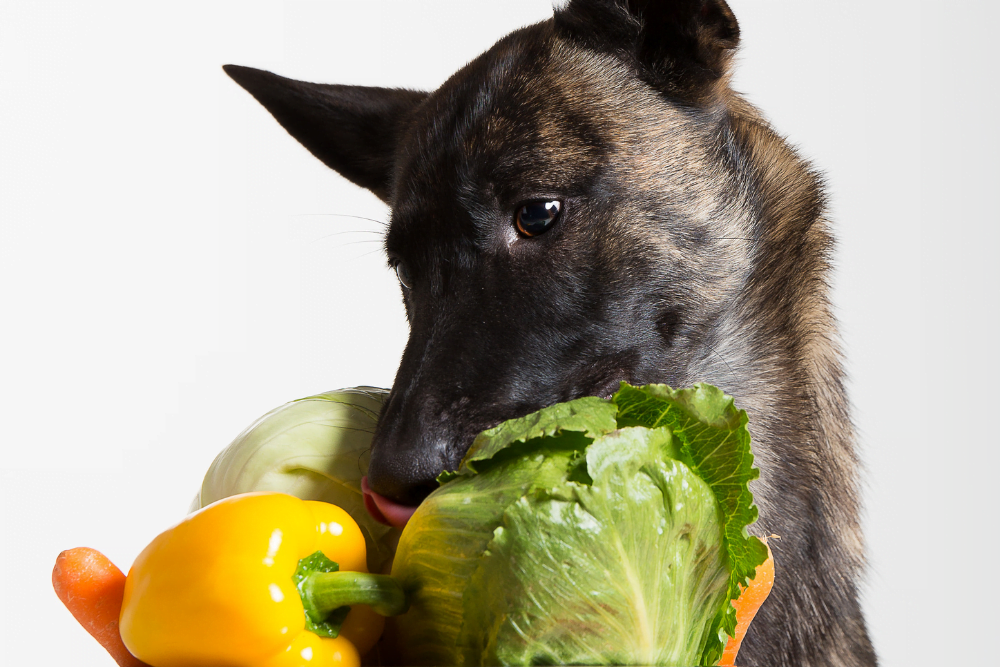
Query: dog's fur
[692,246]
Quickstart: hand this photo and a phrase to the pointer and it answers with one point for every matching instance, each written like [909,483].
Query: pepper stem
[326,591]
[328,594]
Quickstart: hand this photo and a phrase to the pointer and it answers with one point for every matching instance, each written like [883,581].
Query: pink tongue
[384,510]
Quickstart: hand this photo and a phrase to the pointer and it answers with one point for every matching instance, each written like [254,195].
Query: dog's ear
[352,129]
[683,46]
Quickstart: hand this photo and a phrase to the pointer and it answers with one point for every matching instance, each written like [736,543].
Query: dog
[589,202]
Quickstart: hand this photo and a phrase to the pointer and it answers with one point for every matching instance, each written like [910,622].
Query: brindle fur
[692,247]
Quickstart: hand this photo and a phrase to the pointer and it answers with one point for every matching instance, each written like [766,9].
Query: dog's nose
[406,475]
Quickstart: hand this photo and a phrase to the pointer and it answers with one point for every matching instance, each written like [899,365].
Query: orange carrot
[747,604]
[92,588]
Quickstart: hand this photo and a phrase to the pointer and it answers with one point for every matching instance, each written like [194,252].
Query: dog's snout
[404,478]
[407,459]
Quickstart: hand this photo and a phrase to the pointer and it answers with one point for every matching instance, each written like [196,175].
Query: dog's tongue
[384,510]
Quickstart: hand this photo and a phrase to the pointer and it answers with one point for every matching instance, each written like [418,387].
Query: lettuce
[590,532]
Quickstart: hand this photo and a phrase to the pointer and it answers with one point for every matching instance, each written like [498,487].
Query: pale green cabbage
[315,448]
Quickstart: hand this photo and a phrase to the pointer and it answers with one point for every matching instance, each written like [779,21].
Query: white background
[173,265]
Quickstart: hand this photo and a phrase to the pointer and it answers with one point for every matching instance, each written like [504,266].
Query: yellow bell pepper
[240,584]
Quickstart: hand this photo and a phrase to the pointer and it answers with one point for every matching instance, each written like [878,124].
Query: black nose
[421,433]
[406,475]
[415,441]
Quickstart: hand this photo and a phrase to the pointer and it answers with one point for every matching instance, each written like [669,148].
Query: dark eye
[403,274]
[537,216]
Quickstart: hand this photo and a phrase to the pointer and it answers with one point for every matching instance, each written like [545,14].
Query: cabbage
[590,532]
[315,448]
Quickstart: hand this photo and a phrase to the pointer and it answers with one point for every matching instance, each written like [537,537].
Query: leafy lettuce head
[590,532]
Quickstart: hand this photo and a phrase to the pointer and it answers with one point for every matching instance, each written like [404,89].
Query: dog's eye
[536,217]
[403,274]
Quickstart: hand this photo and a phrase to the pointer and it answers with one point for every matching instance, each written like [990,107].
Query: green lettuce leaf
[563,426]
[715,444]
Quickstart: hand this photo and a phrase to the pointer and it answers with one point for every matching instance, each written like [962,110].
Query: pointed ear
[352,129]
[682,46]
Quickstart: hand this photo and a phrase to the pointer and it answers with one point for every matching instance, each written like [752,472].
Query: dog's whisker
[361,467]
[713,350]
[367,254]
[328,236]
[731,371]
[355,231]
[338,215]
[357,242]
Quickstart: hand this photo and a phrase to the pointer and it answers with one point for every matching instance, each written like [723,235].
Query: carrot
[747,604]
[92,588]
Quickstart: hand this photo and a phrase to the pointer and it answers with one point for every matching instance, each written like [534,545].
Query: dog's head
[564,216]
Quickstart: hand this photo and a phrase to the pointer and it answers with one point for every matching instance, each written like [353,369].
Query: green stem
[328,594]
[326,591]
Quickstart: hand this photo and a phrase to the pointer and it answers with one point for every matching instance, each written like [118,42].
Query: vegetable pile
[590,532]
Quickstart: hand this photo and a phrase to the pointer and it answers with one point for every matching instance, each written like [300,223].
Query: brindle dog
[589,202]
